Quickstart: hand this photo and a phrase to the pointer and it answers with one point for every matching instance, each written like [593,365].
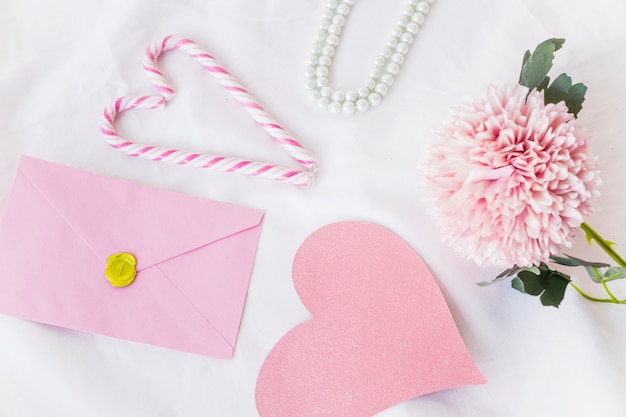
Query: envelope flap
[113,215]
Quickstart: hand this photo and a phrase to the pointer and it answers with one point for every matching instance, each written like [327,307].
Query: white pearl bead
[322,102]
[343,9]
[321,71]
[323,60]
[397,32]
[412,27]
[348,107]
[335,107]
[339,20]
[332,40]
[418,18]
[363,92]
[387,79]
[334,29]
[362,104]
[402,47]
[382,89]
[328,50]
[386,65]
[374,99]
[397,58]
[393,68]
[350,95]
[322,82]
[314,95]
[338,95]
[423,7]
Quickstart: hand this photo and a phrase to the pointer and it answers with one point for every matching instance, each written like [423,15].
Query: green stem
[604,244]
[603,282]
[598,300]
[606,288]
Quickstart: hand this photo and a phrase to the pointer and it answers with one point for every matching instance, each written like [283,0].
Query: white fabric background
[62,62]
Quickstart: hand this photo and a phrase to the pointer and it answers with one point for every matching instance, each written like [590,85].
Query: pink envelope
[194,259]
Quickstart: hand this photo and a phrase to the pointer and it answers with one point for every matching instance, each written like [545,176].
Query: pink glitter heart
[381,333]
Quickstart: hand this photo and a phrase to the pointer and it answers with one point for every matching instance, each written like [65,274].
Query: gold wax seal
[120,270]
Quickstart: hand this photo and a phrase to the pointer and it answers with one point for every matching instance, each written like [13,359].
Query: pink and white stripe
[181,157]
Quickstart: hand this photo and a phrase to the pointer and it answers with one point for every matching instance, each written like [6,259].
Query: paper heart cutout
[181,157]
[381,333]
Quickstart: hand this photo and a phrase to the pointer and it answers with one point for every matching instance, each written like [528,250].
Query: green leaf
[526,57]
[582,262]
[493,281]
[543,84]
[533,284]
[535,66]
[507,273]
[573,261]
[548,284]
[518,285]
[593,273]
[563,90]
[533,269]
[564,261]
[555,286]
[613,273]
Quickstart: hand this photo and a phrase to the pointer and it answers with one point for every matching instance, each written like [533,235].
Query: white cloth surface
[62,62]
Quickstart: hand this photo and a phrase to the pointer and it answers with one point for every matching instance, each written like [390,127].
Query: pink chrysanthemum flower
[511,178]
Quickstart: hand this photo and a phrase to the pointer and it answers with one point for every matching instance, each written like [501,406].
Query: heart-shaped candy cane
[182,157]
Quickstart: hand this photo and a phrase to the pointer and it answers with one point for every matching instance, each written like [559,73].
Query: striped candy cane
[202,160]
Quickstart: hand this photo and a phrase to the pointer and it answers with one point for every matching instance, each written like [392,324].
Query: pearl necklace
[386,65]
